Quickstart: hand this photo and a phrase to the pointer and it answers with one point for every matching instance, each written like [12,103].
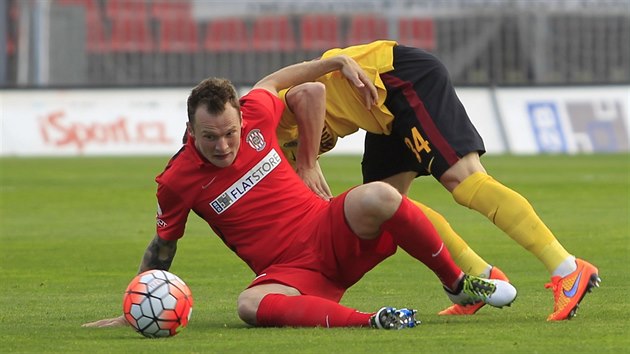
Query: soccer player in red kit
[305,251]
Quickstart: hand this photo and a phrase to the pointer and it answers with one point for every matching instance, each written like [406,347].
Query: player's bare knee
[247,307]
[461,170]
[381,198]
[310,92]
[368,206]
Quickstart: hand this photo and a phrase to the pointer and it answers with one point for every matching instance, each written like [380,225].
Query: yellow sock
[513,214]
[462,254]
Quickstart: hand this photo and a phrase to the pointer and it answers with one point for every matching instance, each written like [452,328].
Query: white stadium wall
[152,121]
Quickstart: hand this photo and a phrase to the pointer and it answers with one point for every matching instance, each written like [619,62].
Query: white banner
[92,122]
[565,119]
[152,121]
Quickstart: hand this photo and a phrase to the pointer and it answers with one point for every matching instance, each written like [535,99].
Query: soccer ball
[157,304]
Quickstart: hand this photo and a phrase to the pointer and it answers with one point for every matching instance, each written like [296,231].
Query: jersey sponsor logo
[256,140]
[245,184]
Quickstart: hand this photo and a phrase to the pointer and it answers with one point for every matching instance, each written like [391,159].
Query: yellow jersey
[345,110]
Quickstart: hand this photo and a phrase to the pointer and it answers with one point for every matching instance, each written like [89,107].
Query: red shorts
[331,259]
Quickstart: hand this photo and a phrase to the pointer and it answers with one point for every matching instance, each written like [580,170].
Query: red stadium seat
[88,4]
[130,34]
[126,8]
[95,37]
[171,8]
[131,30]
[319,32]
[273,33]
[178,35]
[11,30]
[10,46]
[226,35]
[178,30]
[95,32]
[367,28]
[417,32]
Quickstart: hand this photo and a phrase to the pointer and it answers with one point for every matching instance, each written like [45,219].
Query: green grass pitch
[73,230]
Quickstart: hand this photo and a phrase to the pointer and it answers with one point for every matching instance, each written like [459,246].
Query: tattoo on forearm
[159,254]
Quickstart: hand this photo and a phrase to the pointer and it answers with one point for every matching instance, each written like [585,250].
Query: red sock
[415,234]
[277,310]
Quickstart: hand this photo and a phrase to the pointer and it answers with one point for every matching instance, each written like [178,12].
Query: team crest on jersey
[256,140]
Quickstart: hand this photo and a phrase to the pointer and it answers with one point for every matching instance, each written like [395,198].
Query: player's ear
[240,121]
[189,128]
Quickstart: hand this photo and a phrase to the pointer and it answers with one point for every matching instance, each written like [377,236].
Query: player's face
[217,137]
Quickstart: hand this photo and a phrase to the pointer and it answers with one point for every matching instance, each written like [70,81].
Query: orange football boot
[455,309]
[570,290]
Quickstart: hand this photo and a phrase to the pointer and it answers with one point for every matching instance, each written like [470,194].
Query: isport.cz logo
[59,131]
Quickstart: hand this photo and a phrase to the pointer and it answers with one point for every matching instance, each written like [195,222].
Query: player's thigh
[429,118]
[345,257]
[386,156]
[367,206]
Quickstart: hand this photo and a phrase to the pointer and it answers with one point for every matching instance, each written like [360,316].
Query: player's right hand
[315,180]
[108,322]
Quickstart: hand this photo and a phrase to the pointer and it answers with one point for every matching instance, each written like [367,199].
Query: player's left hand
[315,180]
[108,322]
[355,74]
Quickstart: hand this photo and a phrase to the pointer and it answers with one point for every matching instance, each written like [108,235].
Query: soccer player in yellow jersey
[418,127]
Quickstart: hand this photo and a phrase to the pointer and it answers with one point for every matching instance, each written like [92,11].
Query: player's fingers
[326,190]
[373,93]
[313,186]
[368,100]
[357,82]
[370,94]
[321,192]
[110,322]
[100,323]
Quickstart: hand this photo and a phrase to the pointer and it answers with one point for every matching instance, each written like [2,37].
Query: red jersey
[257,205]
